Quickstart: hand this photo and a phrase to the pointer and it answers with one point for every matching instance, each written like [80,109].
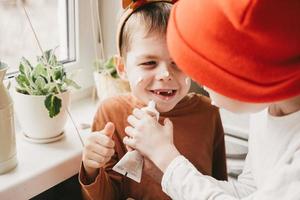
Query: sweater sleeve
[108,184]
[219,158]
[182,181]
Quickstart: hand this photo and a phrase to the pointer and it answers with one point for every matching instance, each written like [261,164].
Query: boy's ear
[120,67]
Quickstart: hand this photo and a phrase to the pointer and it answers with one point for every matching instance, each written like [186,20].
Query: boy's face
[152,74]
[234,105]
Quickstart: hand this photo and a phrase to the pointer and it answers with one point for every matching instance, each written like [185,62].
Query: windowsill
[41,166]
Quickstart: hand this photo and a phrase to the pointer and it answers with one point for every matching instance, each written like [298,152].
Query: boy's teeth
[161,92]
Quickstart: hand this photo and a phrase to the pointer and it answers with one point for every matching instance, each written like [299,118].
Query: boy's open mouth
[164,92]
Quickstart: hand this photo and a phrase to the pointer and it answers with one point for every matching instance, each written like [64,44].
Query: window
[50,20]
[65,24]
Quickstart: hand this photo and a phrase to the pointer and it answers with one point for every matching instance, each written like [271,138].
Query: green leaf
[22,69]
[40,83]
[21,90]
[53,105]
[71,83]
[22,80]
[115,74]
[58,73]
[49,58]
[26,63]
[110,63]
[39,70]
[45,57]
[27,68]
[108,67]
[51,87]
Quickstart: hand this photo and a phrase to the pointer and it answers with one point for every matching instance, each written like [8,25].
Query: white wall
[109,13]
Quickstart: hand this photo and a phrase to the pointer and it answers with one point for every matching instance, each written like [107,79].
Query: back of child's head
[244,50]
[152,18]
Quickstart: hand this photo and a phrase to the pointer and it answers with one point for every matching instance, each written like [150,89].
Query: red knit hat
[245,50]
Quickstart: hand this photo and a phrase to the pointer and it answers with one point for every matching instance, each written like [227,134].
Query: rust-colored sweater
[198,135]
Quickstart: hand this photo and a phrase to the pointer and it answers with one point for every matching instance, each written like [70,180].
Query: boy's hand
[98,149]
[150,138]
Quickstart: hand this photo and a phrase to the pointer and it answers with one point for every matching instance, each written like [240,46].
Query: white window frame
[84,44]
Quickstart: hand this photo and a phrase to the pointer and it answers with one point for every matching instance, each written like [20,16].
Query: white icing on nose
[166,74]
[187,80]
[139,80]
[213,103]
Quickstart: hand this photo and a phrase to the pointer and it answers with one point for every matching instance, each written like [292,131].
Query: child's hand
[151,170]
[150,138]
[98,149]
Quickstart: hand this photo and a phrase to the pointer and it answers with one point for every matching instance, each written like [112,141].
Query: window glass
[51,20]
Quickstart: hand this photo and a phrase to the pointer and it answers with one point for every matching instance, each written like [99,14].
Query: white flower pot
[108,86]
[34,118]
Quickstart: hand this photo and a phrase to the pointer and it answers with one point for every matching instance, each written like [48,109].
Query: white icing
[139,80]
[166,74]
[187,80]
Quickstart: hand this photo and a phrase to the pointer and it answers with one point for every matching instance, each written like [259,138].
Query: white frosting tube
[151,109]
[131,164]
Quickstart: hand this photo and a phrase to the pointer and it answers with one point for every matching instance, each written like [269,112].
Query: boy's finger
[96,157]
[102,150]
[104,141]
[109,129]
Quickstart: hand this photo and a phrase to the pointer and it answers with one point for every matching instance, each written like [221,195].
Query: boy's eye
[148,64]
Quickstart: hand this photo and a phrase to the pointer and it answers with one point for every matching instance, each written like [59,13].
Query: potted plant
[108,83]
[42,97]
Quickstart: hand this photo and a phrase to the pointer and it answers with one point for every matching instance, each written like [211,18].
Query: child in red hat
[247,55]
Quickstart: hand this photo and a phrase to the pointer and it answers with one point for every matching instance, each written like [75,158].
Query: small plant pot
[107,86]
[34,118]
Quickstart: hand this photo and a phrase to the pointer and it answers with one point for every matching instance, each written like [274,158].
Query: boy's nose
[164,74]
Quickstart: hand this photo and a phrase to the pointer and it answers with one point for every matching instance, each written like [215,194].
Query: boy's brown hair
[152,17]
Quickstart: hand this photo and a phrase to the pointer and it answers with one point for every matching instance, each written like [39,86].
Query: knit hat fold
[246,50]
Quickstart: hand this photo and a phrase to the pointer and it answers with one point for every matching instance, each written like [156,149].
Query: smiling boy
[152,74]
